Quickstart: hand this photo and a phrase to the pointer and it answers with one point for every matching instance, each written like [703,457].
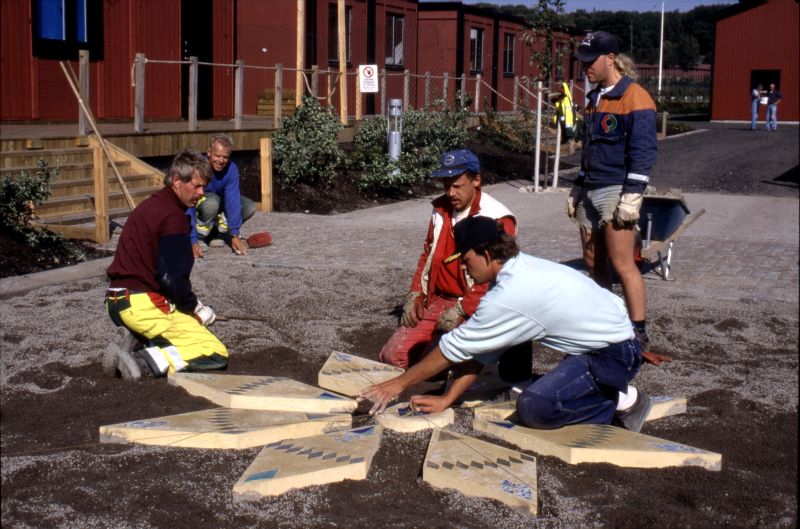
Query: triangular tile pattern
[348,374]
[666,407]
[477,468]
[401,418]
[262,393]
[317,460]
[600,443]
[223,428]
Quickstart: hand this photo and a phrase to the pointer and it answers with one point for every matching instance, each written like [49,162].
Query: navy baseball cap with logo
[458,162]
[473,231]
[596,44]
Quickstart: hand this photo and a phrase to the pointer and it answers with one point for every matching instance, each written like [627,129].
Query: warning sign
[368,75]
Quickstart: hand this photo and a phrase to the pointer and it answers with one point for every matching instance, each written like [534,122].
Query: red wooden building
[465,39]
[757,42]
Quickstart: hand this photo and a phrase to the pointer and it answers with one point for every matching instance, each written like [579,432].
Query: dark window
[764,78]
[476,49]
[63,27]
[333,33]
[394,40]
[508,54]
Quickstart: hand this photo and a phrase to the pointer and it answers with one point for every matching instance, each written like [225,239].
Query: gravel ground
[334,282]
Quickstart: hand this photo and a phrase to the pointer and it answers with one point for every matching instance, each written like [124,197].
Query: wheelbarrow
[664,216]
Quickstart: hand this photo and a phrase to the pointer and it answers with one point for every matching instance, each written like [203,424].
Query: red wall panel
[224,44]
[16,81]
[762,38]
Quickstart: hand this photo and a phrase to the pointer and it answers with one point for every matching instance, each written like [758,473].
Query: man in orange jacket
[442,295]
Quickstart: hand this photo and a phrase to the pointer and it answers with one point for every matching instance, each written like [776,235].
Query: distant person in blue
[755,98]
[774,97]
[222,210]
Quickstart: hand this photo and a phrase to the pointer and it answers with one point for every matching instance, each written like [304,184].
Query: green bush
[305,150]
[19,195]
[426,135]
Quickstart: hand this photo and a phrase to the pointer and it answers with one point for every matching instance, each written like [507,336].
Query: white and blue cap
[458,162]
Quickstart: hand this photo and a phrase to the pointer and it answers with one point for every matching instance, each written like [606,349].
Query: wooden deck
[161,138]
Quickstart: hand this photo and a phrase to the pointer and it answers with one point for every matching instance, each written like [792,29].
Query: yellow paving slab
[401,418]
[223,428]
[317,460]
[348,374]
[600,443]
[477,468]
[262,393]
[506,411]
[666,407]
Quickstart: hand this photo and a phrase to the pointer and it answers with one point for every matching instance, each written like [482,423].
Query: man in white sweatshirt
[534,299]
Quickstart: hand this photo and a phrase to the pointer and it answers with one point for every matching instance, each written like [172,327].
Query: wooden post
[463,91]
[516,93]
[478,94]
[427,90]
[444,90]
[101,231]
[330,88]
[238,96]
[664,119]
[342,62]
[138,120]
[383,92]
[192,94]
[554,185]
[358,95]
[315,81]
[83,76]
[277,119]
[538,149]
[265,147]
[406,89]
[299,90]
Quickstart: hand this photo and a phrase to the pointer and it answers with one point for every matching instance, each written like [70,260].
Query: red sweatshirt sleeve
[416,281]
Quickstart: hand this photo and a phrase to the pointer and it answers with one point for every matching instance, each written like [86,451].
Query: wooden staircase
[84,174]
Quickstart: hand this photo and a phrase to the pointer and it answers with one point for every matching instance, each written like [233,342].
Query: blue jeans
[582,389]
[213,204]
[754,113]
[772,116]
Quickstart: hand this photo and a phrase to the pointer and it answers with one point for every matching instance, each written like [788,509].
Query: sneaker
[126,340]
[127,365]
[634,417]
[110,359]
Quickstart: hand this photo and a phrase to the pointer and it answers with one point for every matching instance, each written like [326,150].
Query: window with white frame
[333,33]
[394,39]
[508,54]
[476,49]
[63,27]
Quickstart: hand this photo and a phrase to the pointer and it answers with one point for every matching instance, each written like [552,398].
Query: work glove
[413,309]
[204,314]
[572,200]
[451,318]
[627,212]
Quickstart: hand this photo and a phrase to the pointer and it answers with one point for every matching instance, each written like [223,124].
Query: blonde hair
[625,66]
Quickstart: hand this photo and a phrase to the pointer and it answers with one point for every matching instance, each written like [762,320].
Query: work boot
[127,365]
[634,417]
[124,340]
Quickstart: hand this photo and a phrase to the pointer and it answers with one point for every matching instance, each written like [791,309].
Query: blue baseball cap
[458,162]
[596,44]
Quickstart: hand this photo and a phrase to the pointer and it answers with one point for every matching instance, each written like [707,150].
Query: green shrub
[19,195]
[426,135]
[305,150]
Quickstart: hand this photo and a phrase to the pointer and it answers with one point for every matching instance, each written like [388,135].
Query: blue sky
[619,5]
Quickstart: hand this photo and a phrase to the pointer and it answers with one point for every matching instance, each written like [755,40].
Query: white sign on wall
[368,74]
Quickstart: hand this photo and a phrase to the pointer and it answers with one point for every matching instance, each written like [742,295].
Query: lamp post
[661,51]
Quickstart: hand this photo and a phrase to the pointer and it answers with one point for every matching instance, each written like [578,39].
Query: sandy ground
[333,283]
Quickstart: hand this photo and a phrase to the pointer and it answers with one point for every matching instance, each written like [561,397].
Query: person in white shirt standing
[534,299]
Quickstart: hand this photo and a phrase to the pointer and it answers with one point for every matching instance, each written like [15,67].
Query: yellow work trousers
[183,343]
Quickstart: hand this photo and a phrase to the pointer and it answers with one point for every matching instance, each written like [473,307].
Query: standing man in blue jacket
[619,151]
[222,209]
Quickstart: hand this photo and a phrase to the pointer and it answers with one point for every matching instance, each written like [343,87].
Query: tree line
[688,36]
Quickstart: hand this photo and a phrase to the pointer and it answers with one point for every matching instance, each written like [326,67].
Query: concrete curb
[19,285]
